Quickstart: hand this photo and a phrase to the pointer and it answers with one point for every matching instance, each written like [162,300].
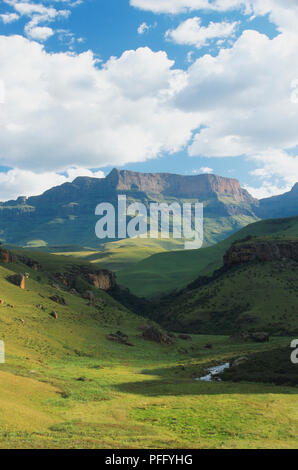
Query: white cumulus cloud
[16,182]
[181,6]
[38,16]
[143,28]
[65,109]
[283,13]
[191,32]
[9,17]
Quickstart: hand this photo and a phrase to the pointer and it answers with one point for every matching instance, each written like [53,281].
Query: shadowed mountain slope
[165,272]
[65,215]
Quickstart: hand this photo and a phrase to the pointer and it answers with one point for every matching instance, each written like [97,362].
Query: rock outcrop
[29,262]
[58,299]
[257,337]
[18,280]
[154,334]
[119,337]
[240,361]
[98,278]
[7,257]
[103,279]
[185,337]
[261,251]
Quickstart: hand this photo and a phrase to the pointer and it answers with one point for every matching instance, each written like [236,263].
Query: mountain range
[65,215]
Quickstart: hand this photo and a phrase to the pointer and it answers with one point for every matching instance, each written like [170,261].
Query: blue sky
[186,86]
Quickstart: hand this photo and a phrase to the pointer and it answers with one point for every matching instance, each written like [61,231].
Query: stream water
[213,372]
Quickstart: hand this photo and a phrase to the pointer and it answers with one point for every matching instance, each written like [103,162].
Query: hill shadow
[168,385]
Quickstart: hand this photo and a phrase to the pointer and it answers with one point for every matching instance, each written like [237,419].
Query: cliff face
[101,278]
[7,257]
[261,251]
[178,185]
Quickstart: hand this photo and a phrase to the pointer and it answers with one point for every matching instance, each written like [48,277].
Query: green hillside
[168,271]
[65,385]
[253,296]
[118,254]
[122,253]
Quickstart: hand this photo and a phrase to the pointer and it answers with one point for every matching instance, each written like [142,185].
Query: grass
[119,254]
[64,385]
[254,296]
[267,367]
[166,272]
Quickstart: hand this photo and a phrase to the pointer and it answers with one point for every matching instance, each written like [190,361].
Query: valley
[64,384]
[91,364]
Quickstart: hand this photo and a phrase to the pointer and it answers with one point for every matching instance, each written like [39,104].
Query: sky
[179,86]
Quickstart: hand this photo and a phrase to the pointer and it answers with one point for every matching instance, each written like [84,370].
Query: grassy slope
[256,296]
[267,367]
[168,271]
[65,385]
[120,254]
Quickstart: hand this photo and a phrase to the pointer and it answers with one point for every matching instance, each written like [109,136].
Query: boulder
[143,327]
[119,337]
[260,337]
[185,337]
[171,335]
[18,280]
[58,299]
[154,334]
[122,335]
[238,362]
[54,315]
[88,294]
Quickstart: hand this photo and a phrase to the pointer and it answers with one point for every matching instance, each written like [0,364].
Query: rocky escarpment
[7,257]
[261,251]
[84,193]
[102,279]
[168,184]
[99,278]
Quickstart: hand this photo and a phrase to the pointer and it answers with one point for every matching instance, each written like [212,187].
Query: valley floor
[143,397]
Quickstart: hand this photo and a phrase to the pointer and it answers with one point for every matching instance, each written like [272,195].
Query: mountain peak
[170,184]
